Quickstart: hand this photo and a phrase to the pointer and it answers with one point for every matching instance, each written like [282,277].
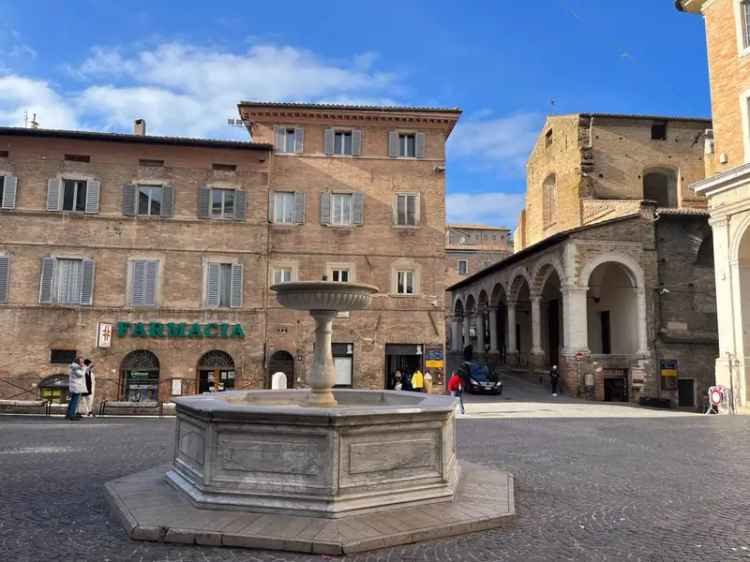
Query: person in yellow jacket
[417,381]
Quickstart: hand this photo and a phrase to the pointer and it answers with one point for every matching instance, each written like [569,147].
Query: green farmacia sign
[178,330]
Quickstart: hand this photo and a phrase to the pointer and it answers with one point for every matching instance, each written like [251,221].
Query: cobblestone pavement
[628,488]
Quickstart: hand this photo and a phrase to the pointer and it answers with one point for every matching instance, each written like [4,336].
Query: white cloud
[502,143]
[19,94]
[491,208]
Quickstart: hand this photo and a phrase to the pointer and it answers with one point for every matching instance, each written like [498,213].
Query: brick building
[623,300]
[471,247]
[174,243]
[727,183]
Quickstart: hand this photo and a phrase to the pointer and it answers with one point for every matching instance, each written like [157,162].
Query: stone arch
[740,231]
[498,294]
[215,371]
[544,267]
[216,359]
[140,359]
[518,278]
[139,376]
[483,300]
[471,305]
[458,308]
[281,361]
[633,268]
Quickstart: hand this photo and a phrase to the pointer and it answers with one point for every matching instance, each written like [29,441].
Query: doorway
[140,377]
[615,389]
[281,362]
[405,358]
[686,393]
[215,372]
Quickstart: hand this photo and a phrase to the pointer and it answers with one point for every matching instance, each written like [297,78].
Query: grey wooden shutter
[10,184]
[235,296]
[152,278]
[325,208]
[240,203]
[138,283]
[329,141]
[356,142]
[299,140]
[128,200]
[419,145]
[358,208]
[54,186]
[299,207]
[271,197]
[4,278]
[46,280]
[204,200]
[393,144]
[92,196]
[278,135]
[212,285]
[167,201]
[87,281]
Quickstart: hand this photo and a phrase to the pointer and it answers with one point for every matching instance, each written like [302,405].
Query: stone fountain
[315,470]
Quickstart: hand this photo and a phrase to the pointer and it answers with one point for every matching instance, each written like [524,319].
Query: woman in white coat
[86,407]
[76,387]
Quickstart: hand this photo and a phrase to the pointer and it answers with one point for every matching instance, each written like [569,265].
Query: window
[222,203]
[149,200]
[342,143]
[463,267]
[283,207]
[744,23]
[343,355]
[289,140]
[341,209]
[144,280]
[659,130]
[4,278]
[147,163]
[74,195]
[407,145]
[548,139]
[62,356]
[407,209]
[405,283]
[78,158]
[661,186]
[282,275]
[224,167]
[66,281]
[224,285]
[340,275]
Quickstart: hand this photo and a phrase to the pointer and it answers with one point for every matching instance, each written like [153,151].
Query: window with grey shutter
[299,207]
[420,140]
[212,285]
[325,208]
[152,275]
[235,297]
[299,140]
[329,134]
[128,200]
[240,203]
[271,199]
[204,202]
[167,201]
[92,196]
[279,134]
[356,142]
[87,282]
[4,278]
[143,280]
[54,186]
[393,144]
[358,208]
[9,186]
[45,282]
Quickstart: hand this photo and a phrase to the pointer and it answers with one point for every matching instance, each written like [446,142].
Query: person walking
[86,405]
[554,379]
[417,381]
[76,387]
[456,388]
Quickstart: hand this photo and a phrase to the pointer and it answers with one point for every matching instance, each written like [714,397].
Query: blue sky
[99,64]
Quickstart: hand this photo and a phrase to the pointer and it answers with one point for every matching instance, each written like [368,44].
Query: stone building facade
[174,244]
[603,293]
[472,247]
[727,185]
[591,167]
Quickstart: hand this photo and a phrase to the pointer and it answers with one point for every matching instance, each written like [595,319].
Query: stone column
[512,352]
[642,322]
[323,373]
[494,348]
[575,320]
[480,331]
[467,336]
[456,334]
[536,326]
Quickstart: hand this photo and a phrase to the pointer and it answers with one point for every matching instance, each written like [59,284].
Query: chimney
[139,127]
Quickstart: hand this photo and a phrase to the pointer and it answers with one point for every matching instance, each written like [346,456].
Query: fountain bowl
[324,295]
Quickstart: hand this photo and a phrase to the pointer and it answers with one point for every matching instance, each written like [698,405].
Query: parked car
[479,378]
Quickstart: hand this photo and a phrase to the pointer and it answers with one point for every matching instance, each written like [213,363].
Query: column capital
[718,222]
[535,299]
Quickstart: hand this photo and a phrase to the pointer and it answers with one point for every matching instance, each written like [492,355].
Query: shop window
[62,356]
[343,361]
[140,376]
[216,372]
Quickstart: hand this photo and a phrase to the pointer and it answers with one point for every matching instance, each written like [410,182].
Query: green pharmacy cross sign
[178,330]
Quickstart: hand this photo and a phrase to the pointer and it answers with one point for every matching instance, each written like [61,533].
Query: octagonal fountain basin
[273,451]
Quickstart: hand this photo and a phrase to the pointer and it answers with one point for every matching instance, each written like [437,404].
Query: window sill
[285,224]
[277,153]
[401,296]
[406,226]
[341,226]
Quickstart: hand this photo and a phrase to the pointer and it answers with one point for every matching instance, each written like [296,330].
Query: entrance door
[615,390]
[281,362]
[141,386]
[406,358]
[213,380]
[686,393]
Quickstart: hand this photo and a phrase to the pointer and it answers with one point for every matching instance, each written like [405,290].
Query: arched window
[549,203]
[660,186]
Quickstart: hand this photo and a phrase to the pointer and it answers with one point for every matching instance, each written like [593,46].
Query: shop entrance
[140,376]
[406,358]
[215,372]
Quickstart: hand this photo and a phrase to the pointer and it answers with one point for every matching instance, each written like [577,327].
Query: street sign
[104,335]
